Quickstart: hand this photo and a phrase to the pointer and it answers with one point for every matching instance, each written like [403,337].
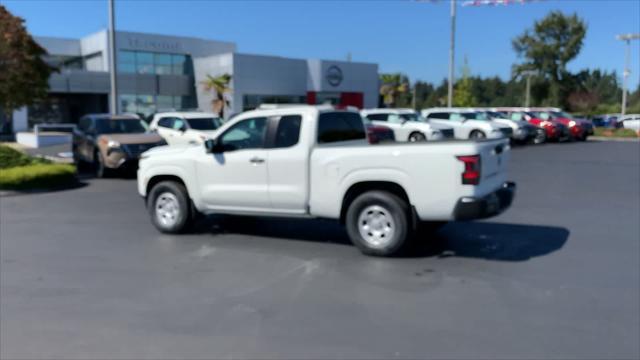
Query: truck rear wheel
[378,223]
[169,207]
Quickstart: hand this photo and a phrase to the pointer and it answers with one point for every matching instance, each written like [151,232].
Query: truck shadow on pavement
[494,241]
[483,240]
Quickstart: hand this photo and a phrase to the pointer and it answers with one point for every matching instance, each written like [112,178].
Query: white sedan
[182,128]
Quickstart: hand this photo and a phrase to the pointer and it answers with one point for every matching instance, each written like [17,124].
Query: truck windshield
[204,123]
[121,126]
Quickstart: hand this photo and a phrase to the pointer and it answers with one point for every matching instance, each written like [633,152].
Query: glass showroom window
[162,64]
[145,104]
[181,64]
[165,103]
[144,63]
[126,61]
[128,104]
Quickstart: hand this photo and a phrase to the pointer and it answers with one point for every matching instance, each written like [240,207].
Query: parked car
[522,131]
[378,134]
[181,128]
[578,130]
[605,120]
[407,125]
[465,124]
[631,121]
[314,161]
[554,131]
[112,142]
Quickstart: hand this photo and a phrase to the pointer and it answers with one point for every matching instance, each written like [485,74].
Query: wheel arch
[156,179]
[416,131]
[359,188]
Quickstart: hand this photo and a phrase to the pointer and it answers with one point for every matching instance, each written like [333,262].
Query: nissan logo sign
[334,75]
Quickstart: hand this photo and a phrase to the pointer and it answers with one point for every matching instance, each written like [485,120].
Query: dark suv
[112,142]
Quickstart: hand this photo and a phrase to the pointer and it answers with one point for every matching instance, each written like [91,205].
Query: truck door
[287,162]
[236,179]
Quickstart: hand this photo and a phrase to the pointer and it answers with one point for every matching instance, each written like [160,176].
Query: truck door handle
[256,160]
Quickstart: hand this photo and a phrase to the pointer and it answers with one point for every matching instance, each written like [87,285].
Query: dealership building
[159,72]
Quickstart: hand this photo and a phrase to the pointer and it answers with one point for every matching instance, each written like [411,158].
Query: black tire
[101,170]
[77,161]
[541,136]
[395,209]
[417,137]
[477,135]
[185,215]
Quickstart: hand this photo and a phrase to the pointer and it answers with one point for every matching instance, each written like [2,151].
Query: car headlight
[546,123]
[572,123]
[112,144]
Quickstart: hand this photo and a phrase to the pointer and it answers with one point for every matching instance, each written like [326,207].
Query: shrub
[37,175]
[624,133]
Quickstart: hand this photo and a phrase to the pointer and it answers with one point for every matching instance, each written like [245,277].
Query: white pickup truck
[314,161]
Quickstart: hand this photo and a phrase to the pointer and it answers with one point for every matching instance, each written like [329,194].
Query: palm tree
[392,85]
[219,85]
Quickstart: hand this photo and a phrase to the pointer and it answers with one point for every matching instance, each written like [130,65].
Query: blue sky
[406,36]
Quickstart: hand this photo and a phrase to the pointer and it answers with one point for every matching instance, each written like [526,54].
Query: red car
[578,129]
[377,134]
[553,130]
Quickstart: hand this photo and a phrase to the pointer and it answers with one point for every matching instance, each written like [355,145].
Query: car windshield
[204,123]
[121,126]
[482,116]
[561,114]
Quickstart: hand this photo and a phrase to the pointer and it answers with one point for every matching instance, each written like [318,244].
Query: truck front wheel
[378,223]
[169,207]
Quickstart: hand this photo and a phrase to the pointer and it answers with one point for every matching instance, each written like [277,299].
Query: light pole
[527,96]
[113,104]
[452,53]
[625,74]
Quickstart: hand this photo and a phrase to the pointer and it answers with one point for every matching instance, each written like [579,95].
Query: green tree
[24,75]
[554,41]
[463,93]
[220,86]
[392,86]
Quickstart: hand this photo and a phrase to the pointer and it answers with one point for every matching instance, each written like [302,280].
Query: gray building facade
[161,72]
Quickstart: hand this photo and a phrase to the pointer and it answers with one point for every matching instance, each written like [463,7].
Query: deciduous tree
[24,75]
[548,47]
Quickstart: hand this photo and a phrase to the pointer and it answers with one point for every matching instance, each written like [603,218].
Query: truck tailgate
[494,156]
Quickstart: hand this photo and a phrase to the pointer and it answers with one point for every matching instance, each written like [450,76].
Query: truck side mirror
[213,146]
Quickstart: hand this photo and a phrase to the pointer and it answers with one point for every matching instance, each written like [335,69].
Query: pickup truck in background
[315,161]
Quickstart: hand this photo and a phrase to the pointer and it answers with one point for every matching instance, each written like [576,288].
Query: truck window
[340,126]
[247,134]
[288,131]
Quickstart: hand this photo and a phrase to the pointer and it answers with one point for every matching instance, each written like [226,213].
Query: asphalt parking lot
[85,275]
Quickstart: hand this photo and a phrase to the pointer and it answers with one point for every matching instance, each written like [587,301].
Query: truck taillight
[471,174]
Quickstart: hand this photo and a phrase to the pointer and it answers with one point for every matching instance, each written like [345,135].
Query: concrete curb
[604,138]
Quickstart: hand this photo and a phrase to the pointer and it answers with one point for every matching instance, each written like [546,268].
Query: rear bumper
[469,208]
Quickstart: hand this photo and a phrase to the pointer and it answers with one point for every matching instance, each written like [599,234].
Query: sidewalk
[605,138]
